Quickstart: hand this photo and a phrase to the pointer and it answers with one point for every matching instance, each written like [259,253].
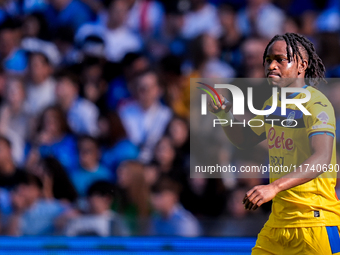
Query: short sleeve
[321,120]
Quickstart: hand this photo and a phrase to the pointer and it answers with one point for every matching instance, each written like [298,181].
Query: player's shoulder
[319,105]
[318,98]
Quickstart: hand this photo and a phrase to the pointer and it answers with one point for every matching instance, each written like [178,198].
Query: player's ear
[302,66]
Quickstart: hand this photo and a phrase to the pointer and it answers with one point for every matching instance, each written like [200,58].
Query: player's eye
[280,60]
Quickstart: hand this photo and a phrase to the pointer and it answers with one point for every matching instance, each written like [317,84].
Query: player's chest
[286,138]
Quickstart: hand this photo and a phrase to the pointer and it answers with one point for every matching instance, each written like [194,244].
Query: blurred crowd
[95,103]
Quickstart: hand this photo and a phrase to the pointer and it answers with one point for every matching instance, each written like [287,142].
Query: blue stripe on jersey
[334,238]
[277,112]
[294,94]
[321,133]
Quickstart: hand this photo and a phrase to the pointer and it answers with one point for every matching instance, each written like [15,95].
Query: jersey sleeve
[257,126]
[322,118]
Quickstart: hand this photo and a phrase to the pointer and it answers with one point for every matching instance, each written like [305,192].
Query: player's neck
[298,83]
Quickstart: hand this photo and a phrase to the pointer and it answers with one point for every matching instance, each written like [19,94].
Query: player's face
[278,70]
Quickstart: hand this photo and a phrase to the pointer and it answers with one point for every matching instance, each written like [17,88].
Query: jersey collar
[294,94]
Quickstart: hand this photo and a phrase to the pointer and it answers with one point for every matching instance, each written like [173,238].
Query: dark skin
[280,72]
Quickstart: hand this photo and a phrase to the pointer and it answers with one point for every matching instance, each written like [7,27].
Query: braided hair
[299,45]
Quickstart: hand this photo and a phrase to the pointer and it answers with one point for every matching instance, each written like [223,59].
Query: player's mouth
[273,75]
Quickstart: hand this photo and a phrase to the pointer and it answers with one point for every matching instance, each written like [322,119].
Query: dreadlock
[296,46]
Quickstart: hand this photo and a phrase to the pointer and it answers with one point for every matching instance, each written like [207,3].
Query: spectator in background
[72,13]
[145,17]
[14,118]
[8,170]
[253,20]
[94,85]
[41,86]
[176,87]
[53,138]
[118,39]
[308,26]
[169,39]
[133,196]
[82,115]
[90,169]
[98,220]
[64,40]
[35,26]
[169,164]
[56,183]
[32,215]
[201,19]
[178,132]
[252,57]
[231,37]
[205,52]
[146,118]
[122,87]
[171,218]
[13,58]
[151,173]
[205,199]
[118,148]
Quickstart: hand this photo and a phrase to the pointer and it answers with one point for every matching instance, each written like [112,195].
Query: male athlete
[305,216]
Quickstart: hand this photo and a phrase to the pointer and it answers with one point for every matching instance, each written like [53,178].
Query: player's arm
[242,137]
[322,147]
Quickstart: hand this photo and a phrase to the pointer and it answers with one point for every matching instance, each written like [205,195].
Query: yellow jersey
[313,203]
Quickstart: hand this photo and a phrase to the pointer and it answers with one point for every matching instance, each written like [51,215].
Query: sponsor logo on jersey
[279,141]
[323,117]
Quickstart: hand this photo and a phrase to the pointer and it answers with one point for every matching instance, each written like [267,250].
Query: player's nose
[272,66]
